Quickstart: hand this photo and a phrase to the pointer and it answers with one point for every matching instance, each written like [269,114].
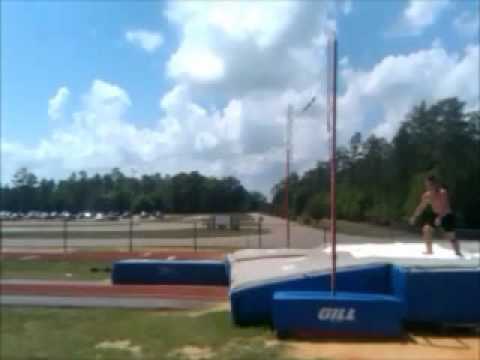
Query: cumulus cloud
[347,7]
[467,24]
[344,61]
[234,47]
[57,103]
[253,70]
[417,16]
[244,138]
[147,40]
[419,13]
[379,99]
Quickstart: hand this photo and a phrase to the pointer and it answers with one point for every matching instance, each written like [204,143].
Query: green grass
[39,333]
[52,269]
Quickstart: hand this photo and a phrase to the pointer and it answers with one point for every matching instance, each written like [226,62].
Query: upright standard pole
[287,172]
[333,164]
[1,236]
[259,233]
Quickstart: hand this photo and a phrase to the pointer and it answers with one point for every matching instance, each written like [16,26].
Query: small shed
[223,222]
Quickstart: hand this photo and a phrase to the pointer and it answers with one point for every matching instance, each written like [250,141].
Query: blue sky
[218,78]
[46,45]
[364,37]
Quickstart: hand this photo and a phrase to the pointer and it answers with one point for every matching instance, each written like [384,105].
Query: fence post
[65,235]
[195,247]
[1,236]
[130,234]
[259,234]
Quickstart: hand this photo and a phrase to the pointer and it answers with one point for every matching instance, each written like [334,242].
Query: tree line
[114,191]
[382,181]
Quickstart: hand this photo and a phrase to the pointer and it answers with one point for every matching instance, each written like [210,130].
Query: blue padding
[446,295]
[301,313]
[398,279]
[182,272]
[252,305]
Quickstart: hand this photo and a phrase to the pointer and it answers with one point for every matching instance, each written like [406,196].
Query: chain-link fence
[192,232]
[195,232]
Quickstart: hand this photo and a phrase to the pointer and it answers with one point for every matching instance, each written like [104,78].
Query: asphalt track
[101,302]
[23,292]
[28,292]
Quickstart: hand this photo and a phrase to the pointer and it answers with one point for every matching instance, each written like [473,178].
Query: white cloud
[244,138]
[261,22]
[232,47]
[467,24]
[57,103]
[420,14]
[147,40]
[256,69]
[417,16]
[200,65]
[344,61]
[106,98]
[380,98]
[347,7]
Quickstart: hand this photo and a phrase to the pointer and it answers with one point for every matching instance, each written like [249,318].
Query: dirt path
[417,347]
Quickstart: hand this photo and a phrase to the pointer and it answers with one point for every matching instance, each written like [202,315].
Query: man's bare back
[438,200]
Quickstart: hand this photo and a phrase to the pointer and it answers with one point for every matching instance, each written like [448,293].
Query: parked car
[31,215]
[112,216]
[99,216]
[86,215]
[16,216]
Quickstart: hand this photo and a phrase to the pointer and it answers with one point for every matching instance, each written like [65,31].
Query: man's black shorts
[447,222]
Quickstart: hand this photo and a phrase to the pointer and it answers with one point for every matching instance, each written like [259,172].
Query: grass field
[53,269]
[110,334]
[113,334]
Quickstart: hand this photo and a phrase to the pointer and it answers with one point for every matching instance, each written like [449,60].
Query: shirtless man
[437,197]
